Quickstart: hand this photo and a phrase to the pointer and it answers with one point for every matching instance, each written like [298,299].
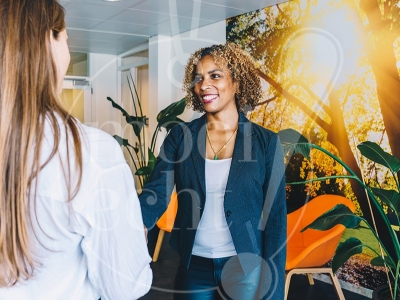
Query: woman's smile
[208,98]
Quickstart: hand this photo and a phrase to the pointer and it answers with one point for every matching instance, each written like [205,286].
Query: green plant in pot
[383,200]
[166,118]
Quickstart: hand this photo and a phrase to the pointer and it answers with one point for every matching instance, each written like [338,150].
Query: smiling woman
[230,227]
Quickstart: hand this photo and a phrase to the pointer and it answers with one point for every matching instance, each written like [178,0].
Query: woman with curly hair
[230,228]
[70,219]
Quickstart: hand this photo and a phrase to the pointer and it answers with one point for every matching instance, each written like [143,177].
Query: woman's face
[214,86]
[61,56]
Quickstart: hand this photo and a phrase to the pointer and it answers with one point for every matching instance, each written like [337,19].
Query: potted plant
[166,118]
[381,199]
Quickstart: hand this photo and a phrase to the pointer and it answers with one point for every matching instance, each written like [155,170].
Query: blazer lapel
[199,151]
[241,153]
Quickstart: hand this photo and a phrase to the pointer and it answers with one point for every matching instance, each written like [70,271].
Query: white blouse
[213,238]
[95,245]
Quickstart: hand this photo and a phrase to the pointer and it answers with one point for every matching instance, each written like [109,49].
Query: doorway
[76,98]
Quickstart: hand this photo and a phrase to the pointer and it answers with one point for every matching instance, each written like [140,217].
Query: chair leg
[310,279]
[158,245]
[310,271]
[337,286]
[288,276]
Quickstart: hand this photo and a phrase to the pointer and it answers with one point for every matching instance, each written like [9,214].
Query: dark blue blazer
[254,203]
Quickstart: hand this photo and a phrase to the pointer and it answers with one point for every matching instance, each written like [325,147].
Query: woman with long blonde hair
[70,222]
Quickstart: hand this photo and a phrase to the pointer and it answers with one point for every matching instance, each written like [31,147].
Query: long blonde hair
[28,95]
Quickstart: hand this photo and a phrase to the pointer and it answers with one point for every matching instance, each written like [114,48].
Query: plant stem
[396,286]
[134,163]
[324,178]
[336,159]
[380,242]
[139,158]
[142,154]
[137,96]
[133,98]
[154,138]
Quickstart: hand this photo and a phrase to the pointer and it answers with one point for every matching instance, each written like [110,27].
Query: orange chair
[165,223]
[308,250]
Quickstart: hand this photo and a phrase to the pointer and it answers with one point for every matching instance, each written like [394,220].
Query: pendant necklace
[223,147]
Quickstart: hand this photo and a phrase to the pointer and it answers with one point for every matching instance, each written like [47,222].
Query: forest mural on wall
[330,70]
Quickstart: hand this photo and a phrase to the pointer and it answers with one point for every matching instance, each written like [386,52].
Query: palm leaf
[294,142]
[115,105]
[375,153]
[344,251]
[121,141]
[172,124]
[340,214]
[390,197]
[379,262]
[146,170]
[137,123]
[152,160]
[170,113]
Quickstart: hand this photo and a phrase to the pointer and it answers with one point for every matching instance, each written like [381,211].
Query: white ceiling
[98,26]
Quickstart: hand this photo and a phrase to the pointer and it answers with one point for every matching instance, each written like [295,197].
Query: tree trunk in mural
[337,135]
[383,62]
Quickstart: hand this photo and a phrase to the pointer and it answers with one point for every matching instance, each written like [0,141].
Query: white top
[213,238]
[95,245]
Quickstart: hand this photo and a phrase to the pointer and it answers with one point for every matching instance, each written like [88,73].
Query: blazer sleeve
[274,222]
[157,191]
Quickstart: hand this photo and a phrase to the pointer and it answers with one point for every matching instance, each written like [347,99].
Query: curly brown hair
[241,67]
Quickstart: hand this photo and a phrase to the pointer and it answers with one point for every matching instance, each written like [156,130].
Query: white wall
[103,76]
[167,60]
[185,44]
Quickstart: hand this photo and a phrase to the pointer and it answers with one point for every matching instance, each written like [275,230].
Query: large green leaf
[340,214]
[146,170]
[173,108]
[152,160]
[344,251]
[379,262]
[121,141]
[137,123]
[123,111]
[124,142]
[169,114]
[172,124]
[390,197]
[294,142]
[375,153]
